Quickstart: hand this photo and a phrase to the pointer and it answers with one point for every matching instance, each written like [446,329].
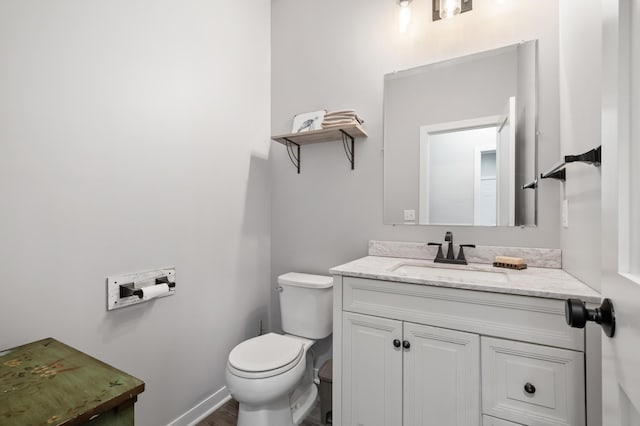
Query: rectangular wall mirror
[460,140]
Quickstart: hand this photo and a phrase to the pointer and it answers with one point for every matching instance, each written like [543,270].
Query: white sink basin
[462,273]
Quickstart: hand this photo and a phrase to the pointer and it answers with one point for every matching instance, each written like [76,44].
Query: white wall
[135,135]
[333,54]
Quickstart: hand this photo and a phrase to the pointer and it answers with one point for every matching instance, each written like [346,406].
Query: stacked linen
[341,118]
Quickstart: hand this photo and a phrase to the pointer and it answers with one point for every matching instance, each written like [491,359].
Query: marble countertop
[537,282]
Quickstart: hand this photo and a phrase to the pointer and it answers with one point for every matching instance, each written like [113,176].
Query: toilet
[271,376]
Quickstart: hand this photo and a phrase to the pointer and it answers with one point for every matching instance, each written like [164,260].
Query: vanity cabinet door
[441,377]
[372,371]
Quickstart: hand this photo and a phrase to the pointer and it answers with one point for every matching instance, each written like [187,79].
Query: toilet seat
[265,356]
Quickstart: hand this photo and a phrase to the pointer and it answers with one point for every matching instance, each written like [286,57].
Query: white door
[441,377]
[372,371]
[621,210]
[485,186]
[506,166]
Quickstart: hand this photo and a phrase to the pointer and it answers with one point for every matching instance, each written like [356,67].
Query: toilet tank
[306,304]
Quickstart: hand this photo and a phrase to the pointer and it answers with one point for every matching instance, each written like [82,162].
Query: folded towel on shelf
[340,121]
[335,126]
[350,112]
[341,117]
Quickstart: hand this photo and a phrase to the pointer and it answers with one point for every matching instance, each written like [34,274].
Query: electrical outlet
[409,215]
[565,213]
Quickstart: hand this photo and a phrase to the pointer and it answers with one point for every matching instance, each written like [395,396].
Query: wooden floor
[227,415]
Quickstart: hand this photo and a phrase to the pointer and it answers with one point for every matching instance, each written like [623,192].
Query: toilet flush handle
[279,289]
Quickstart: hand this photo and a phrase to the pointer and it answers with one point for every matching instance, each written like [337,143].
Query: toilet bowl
[271,375]
[262,373]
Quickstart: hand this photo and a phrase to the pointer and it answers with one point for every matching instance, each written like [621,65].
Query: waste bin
[326,383]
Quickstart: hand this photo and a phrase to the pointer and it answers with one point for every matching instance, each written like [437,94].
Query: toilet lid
[267,352]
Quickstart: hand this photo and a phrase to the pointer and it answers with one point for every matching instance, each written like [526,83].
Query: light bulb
[404,17]
[450,8]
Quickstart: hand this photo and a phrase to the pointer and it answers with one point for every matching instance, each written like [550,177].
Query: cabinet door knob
[396,343]
[529,388]
[406,344]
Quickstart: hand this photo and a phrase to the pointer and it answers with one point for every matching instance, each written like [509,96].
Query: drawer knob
[406,344]
[529,388]
[396,343]
[577,315]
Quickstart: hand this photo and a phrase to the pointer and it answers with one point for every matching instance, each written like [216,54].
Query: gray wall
[580,112]
[333,54]
[469,88]
[135,135]
[581,59]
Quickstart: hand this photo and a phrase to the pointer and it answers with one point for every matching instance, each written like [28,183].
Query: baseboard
[203,409]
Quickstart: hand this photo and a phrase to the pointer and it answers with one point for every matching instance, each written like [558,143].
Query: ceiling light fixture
[404,17]
[447,9]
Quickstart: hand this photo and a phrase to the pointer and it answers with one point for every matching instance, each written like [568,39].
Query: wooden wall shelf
[346,133]
[323,135]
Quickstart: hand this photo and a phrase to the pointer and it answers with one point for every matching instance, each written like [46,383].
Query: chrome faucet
[450,258]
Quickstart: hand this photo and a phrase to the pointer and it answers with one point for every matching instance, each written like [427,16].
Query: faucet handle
[440,255]
[461,252]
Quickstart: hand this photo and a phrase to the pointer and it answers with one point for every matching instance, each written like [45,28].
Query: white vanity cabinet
[417,355]
[441,376]
[400,373]
[372,379]
[492,421]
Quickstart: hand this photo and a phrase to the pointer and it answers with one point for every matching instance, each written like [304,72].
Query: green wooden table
[49,383]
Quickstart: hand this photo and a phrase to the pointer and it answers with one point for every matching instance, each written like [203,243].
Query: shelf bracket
[295,158]
[350,151]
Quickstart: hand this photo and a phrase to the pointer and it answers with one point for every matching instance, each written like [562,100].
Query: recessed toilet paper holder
[145,285]
[129,289]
